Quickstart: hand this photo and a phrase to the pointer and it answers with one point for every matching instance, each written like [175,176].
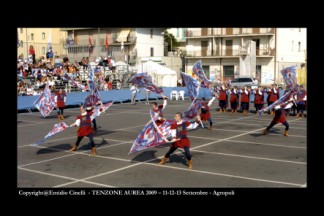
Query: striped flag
[192,112]
[290,76]
[152,135]
[100,109]
[45,103]
[57,128]
[145,80]
[286,97]
[199,71]
[91,44]
[107,45]
[192,86]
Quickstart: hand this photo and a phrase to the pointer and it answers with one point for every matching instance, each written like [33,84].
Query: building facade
[40,39]
[227,53]
[123,44]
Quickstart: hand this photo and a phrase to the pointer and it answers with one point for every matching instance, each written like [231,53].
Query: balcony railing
[228,31]
[229,52]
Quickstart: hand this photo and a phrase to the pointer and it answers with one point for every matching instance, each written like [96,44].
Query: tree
[167,38]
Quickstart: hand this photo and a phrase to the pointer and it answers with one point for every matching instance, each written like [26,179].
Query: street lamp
[163,33]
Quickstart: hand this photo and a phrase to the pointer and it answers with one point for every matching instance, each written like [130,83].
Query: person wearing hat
[60,99]
[280,117]
[83,121]
[90,109]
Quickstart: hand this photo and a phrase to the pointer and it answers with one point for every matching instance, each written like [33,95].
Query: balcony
[208,32]
[229,53]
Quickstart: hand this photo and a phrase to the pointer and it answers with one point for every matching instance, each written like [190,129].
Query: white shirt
[134,89]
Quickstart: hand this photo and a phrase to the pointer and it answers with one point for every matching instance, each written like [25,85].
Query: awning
[122,37]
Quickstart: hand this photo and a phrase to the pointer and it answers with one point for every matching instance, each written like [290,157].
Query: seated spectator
[29,90]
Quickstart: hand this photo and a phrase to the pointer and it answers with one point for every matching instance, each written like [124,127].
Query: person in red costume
[83,121]
[179,139]
[280,117]
[32,52]
[60,99]
[158,111]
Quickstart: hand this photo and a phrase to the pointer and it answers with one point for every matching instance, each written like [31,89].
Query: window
[152,51]
[21,30]
[292,46]
[43,50]
[151,33]
[21,44]
[299,29]
[31,36]
[177,32]
[299,46]
[43,36]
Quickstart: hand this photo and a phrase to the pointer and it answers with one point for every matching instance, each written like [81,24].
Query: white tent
[161,76]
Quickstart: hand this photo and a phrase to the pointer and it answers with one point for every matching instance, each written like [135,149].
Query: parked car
[244,81]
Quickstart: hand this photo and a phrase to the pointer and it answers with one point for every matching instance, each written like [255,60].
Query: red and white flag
[57,128]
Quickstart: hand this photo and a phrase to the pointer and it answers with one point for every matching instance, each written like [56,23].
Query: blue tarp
[77,98]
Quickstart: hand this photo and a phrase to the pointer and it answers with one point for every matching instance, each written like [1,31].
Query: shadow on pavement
[144,156]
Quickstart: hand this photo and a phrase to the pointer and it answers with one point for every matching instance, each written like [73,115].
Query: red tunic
[244,96]
[60,100]
[280,116]
[85,124]
[258,98]
[222,95]
[205,114]
[181,133]
[233,97]
[273,97]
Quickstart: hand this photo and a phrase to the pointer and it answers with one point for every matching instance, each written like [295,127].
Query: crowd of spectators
[34,74]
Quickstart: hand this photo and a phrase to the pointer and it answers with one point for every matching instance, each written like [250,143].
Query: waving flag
[91,79]
[107,45]
[192,86]
[45,103]
[91,100]
[148,138]
[91,44]
[164,130]
[198,70]
[77,84]
[192,112]
[100,109]
[57,128]
[152,135]
[73,83]
[97,97]
[205,83]
[94,96]
[144,80]
[280,101]
[290,76]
